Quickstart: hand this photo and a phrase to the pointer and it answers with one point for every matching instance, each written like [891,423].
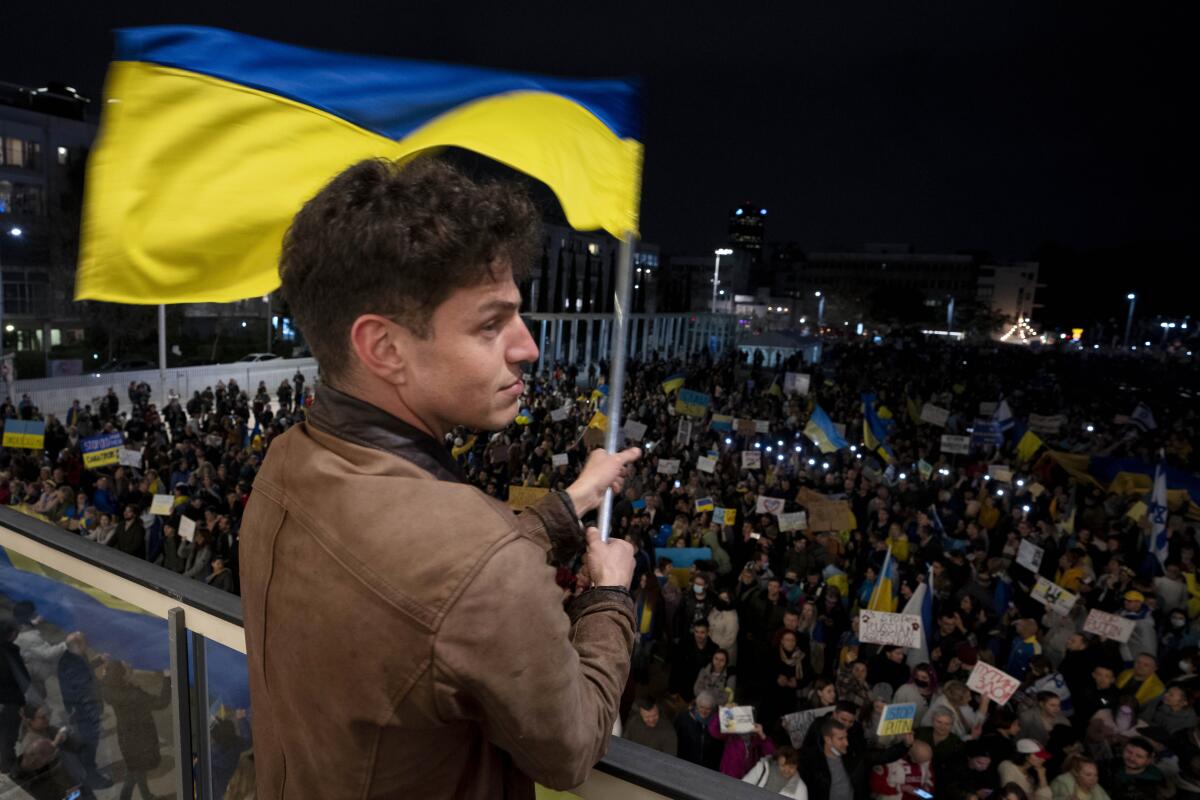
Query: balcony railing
[161,682]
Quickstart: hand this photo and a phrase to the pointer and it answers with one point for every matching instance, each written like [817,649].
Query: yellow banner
[101,458]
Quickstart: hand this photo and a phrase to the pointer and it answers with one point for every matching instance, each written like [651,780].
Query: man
[14,683]
[130,536]
[1024,647]
[779,773]
[905,776]
[404,632]
[1142,681]
[1144,638]
[84,705]
[1135,777]
[1101,694]
[832,772]
[692,655]
[645,727]
[695,743]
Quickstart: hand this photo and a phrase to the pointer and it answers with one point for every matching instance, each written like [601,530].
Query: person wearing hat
[1144,638]
[1027,769]
[1024,647]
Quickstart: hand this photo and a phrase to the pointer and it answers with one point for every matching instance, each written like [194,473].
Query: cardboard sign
[634,430]
[897,719]
[1036,489]
[796,383]
[1000,473]
[1053,596]
[691,403]
[769,505]
[704,504]
[956,445]
[668,466]
[129,458]
[995,684]
[1029,555]
[796,521]
[684,434]
[706,464]
[100,451]
[737,719]
[798,723]
[934,415]
[884,627]
[762,426]
[559,414]
[751,459]
[1110,626]
[187,529]
[831,515]
[162,505]
[745,427]
[520,497]
[560,459]
[27,434]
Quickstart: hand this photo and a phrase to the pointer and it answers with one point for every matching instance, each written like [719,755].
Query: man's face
[942,725]
[701,634]
[1133,606]
[896,656]
[468,370]
[844,717]
[649,717]
[839,741]
[1143,667]
[1051,707]
[980,763]
[1136,759]
[1103,676]
[791,621]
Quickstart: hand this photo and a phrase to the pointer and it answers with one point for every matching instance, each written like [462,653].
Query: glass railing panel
[225,753]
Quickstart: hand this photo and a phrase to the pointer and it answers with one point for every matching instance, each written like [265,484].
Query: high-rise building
[747,230]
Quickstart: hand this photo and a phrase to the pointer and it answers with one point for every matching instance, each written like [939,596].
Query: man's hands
[603,471]
[608,563]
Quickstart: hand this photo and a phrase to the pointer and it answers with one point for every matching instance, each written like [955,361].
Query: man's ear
[383,347]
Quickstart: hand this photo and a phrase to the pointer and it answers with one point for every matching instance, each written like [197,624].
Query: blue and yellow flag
[211,141]
[704,504]
[887,587]
[820,429]
[673,383]
[599,420]
[875,428]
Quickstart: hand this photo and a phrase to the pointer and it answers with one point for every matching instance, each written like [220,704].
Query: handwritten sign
[897,719]
[668,466]
[796,383]
[213,440]
[706,464]
[956,445]
[129,458]
[1029,555]
[934,415]
[560,459]
[994,684]
[1046,425]
[797,724]
[559,414]
[1110,626]
[162,505]
[187,529]
[884,627]
[1000,473]
[684,434]
[521,497]
[737,719]
[796,521]
[634,431]
[724,516]
[762,426]
[100,451]
[1053,596]
[769,505]
[832,515]
[751,459]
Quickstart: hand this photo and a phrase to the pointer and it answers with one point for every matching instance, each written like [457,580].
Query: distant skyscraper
[747,229]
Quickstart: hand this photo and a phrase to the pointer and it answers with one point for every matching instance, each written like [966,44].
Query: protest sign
[187,529]
[559,414]
[796,521]
[751,459]
[959,445]
[769,505]
[27,434]
[798,723]
[737,719]
[520,497]
[634,431]
[796,383]
[213,440]
[934,415]
[831,515]
[706,464]
[897,719]
[1137,512]
[1000,473]
[100,451]
[129,458]
[994,684]
[704,504]
[986,432]
[1036,489]
[762,426]
[684,557]
[745,427]
[668,466]
[1053,596]
[1046,425]
[884,627]
[684,434]
[724,516]
[721,422]
[691,403]
[925,469]
[1029,555]
[560,459]
[1110,626]
[162,505]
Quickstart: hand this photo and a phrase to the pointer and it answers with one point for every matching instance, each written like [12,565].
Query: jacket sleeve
[544,686]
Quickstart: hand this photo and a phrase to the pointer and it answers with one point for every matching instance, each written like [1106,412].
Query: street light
[820,308]
[16,233]
[1132,298]
[720,251]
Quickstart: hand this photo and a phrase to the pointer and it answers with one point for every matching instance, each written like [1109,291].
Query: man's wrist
[578,501]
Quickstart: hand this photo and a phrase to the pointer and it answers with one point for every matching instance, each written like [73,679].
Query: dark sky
[1027,130]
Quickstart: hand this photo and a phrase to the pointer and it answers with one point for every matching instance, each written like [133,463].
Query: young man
[404,632]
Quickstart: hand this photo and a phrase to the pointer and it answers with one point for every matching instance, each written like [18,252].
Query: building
[689,281]
[1010,290]
[576,273]
[747,230]
[44,141]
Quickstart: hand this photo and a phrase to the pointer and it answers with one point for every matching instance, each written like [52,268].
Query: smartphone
[74,794]
[924,795]
[756,536]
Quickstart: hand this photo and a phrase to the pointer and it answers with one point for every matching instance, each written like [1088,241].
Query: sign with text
[520,497]
[833,515]
[1046,425]
[897,720]
[162,505]
[130,458]
[560,459]
[796,382]
[27,434]
[1000,473]
[934,415]
[762,426]
[956,445]
[100,451]
[994,684]
[751,459]
[1053,596]
[706,464]
[1029,555]
[737,719]
[187,529]
[796,521]
[769,505]
[634,431]
[683,434]
[559,414]
[668,466]
[1110,626]
[884,627]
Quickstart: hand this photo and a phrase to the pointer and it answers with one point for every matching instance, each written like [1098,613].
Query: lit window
[594,249]
[62,155]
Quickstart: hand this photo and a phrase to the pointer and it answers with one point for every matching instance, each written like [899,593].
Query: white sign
[706,464]
[1110,626]
[934,415]
[796,383]
[129,458]
[994,684]
[1000,473]
[187,528]
[213,440]
[769,505]
[737,719]
[559,414]
[762,426]
[1029,555]
[987,409]
[960,445]
[796,521]
[884,627]
[162,505]
[560,459]
[751,459]
[668,466]
[1046,425]
[634,430]
[1053,596]
[684,434]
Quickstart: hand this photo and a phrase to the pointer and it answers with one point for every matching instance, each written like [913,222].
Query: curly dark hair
[397,239]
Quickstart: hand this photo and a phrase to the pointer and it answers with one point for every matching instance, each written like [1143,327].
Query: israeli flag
[1003,416]
[1158,513]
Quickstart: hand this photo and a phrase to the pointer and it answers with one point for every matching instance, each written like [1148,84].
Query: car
[259,357]
[128,365]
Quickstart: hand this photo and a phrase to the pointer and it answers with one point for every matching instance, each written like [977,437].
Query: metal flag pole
[162,356]
[616,369]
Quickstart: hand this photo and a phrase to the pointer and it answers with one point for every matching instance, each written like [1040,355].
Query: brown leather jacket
[404,633]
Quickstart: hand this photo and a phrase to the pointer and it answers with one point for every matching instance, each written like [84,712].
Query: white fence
[54,395]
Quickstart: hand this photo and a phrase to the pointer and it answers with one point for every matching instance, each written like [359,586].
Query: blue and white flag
[1158,513]
[1143,417]
[1003,416]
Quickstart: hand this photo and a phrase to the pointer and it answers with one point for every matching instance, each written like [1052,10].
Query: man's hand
[608,563]
[602,471]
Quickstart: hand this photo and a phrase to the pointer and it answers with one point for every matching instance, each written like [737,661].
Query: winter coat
[742,750]
[137,735]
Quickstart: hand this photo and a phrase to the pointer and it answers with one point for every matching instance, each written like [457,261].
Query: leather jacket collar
[357,421]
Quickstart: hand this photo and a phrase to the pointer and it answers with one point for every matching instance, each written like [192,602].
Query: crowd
[765,617]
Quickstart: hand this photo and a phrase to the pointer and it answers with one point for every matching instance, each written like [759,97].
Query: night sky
[1043,131]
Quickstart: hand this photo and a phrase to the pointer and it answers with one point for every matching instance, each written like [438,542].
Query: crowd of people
[767,618]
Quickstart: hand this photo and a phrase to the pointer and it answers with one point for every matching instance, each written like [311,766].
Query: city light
[812,462]
[903,476]
[1090,428]
[9,328]
[999,493]
[15,232]
[728,441]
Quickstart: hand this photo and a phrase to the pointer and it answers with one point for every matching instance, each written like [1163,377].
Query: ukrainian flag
[704,504]
[875,429]
[1029,446]
[820,429]
[887,587]
[599,420]
[673,383]
[211,141]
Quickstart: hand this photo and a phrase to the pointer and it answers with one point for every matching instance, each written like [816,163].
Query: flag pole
[162,356]
[616,369]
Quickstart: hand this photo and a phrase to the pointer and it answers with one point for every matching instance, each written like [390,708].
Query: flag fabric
[820,429]
[921,605]
[883,598]
[875,430]
[914,410]
[1158,514]
[211,141]
[1143,417]
[775,390]
[1029,446]
[673,383]
[1003,416]
[721,422]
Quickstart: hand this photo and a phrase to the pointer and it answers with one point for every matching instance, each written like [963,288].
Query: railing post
[180,706]
[204,746]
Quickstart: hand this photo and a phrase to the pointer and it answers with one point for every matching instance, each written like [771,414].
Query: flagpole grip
[616,369]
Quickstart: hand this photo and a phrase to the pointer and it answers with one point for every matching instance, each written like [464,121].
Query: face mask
[1176,622]
[698,589]
[921,683]
[789,584]
[837,753]
[1185,666]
